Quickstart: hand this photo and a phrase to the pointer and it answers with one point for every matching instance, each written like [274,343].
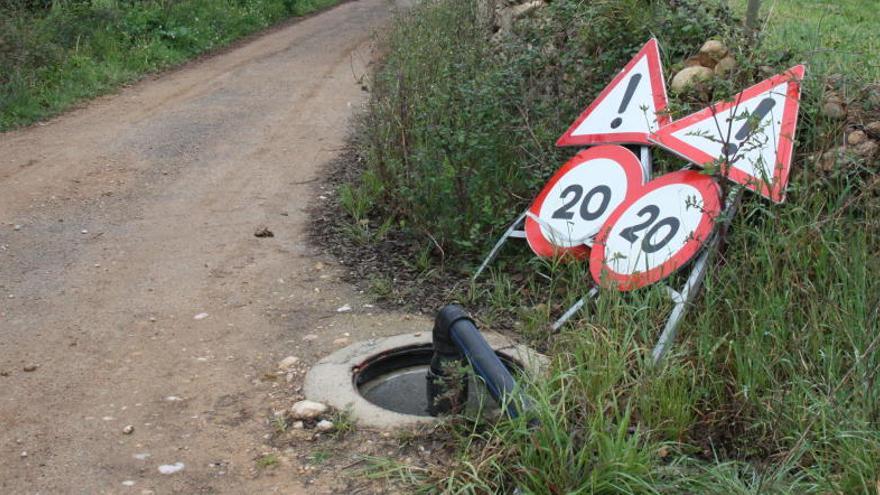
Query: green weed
[267,461]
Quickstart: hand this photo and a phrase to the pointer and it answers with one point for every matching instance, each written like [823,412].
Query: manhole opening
[395,380]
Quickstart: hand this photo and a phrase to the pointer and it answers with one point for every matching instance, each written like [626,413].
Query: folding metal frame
[683,298]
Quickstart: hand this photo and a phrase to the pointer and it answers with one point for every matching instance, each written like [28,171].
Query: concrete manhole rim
[330,380]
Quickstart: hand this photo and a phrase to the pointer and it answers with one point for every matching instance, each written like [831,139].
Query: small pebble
[128,483]
[343,309]
[23,453]
[128,430]
[288,362]
[325,425]
[30,367]
[307,409]
[16,227]
[200,316]
[171,468]
[83,231]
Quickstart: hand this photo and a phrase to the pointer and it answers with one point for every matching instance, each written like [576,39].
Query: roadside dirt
[133,290]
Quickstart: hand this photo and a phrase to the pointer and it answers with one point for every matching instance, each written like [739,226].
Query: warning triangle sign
[752,134]
[628,109]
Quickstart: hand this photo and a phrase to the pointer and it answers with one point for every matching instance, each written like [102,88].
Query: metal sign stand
[682,298]
[516,231]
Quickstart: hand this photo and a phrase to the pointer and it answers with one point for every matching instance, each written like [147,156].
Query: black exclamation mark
[627,95]
[751,122]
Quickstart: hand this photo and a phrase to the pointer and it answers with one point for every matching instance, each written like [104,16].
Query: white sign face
[580,197]
[581,201]
[626,111]
[753,134]
[653,235]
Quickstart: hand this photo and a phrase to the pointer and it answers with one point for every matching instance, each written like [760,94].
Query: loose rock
[693,61]
[263,231]
[867,149]
[325,425]
[856,137]
[307,409]
[873,129]
[128,430]
[711,52]
[298,425]
[288,363]
[725,66]
[829,159]
[689,77]
[834,111]
[171,468]
[30,367]
[833,107]
[526,8]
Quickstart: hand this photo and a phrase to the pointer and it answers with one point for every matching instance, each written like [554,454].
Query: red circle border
[635,178]
[711,195]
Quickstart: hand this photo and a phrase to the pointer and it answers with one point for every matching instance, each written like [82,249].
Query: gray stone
[867,149]
[690,77]
[725,66]
[288,363]
[306,409]
[714,50]
[856,137]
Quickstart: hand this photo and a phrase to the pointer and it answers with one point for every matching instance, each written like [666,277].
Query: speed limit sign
[657,232]
[579,198]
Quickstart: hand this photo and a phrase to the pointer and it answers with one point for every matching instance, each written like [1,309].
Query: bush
[460,131]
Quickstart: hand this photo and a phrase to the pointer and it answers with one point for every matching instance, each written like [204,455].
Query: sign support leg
[574,309]
[645,158]
[691,288]
[513,231]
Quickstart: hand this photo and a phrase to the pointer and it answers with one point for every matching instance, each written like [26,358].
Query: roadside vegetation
[56,53]
[771,387]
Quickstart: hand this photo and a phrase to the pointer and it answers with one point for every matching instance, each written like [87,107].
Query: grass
[771,387]
[836,37]
[268,461]
[56,56]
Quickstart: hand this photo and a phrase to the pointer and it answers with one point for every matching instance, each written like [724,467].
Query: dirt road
[134,291]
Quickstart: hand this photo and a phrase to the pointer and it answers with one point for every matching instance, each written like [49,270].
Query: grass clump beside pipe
[772,386]
[54,54]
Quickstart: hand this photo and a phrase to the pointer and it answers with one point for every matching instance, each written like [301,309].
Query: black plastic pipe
[457,338]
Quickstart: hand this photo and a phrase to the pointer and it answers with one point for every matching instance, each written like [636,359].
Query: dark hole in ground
[395,380]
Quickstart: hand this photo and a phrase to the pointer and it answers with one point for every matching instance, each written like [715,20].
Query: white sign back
[628,109]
